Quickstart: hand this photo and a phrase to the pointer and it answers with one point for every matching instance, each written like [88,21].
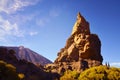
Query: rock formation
[82,49]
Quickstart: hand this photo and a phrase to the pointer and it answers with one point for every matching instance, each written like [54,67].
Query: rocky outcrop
[82,49]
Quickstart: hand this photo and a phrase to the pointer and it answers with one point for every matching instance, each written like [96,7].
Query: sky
[45,25]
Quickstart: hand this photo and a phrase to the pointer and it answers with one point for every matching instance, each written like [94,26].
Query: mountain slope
[29,55]
[8,62]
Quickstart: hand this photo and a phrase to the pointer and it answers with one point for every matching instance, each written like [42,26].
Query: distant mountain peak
[21,47]
[29,55]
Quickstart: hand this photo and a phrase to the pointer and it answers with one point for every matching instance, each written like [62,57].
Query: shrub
[100,73]
[70,75]
[12,51]
[7,71]
[21,76]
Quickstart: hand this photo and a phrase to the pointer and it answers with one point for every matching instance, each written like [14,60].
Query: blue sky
[45,25]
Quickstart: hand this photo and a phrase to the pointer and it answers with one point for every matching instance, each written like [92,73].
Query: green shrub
[94,73]
[12,51]
[21,76]
[7,71]
[100,73]
[70,75]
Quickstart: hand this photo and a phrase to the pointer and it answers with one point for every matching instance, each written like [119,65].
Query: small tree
[11,51]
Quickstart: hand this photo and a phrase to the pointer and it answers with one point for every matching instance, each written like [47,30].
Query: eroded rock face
[82,49]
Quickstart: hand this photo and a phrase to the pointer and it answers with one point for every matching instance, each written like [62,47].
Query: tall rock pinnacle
[81,25]
[82,49]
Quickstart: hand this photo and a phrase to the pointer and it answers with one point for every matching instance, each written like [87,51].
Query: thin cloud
[116,64]
[54,13]
[33,33]
[22,19]
[11,6]
[42,21]
[10,26]
[46,19]
[8,29]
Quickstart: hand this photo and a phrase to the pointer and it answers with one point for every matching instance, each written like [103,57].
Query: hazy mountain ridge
[31,71]
[29,55]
